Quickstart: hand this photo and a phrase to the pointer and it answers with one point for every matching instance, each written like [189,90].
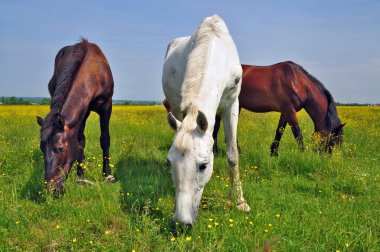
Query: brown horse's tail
[332,119]
[67,63]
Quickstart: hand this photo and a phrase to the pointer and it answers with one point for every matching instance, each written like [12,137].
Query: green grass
[300,201]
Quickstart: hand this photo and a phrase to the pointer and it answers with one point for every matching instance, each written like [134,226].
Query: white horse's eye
[202,167]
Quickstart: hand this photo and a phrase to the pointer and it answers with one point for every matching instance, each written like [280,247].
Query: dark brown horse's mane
[332,119]
[67,64]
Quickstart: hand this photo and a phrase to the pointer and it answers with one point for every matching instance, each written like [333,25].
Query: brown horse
[82,82]
[287,88]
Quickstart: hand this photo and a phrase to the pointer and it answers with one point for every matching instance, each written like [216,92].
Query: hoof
[85,182]
[243,207]
[110,179]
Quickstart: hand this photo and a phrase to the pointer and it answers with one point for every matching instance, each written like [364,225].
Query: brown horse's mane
[332,119]
[67,64]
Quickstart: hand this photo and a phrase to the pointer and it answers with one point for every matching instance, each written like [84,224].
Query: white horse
[201,78]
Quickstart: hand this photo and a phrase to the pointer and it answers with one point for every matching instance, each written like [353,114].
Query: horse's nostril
[189,226]
[180,228]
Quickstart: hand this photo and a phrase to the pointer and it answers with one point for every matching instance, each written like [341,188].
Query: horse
[82,82]
[287,87]
[201,78]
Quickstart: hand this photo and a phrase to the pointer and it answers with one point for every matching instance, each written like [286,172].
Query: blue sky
[338,41]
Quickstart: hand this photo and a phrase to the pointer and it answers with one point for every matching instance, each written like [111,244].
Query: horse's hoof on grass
[243,207]
[85,182]
[110,179]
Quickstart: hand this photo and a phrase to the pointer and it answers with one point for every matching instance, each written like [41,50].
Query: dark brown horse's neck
[317,108]
[74,112]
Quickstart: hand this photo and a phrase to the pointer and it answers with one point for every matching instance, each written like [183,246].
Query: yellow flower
[278,216]
[231,225]
[210,219]
[75,240]
[57,227]
[133,250]
[172,239]
[246,217]
[270,225]
[107,232]
[250,223]
[188,238]
[209,226]
[230,220]
[17,222]
[91,242]
[216,223]
[266,230]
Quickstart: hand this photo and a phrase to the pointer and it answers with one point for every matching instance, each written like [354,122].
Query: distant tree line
[353,104]
[46,101]
[136,103]
[23,101]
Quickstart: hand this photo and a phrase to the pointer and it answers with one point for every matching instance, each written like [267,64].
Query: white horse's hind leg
[230,120]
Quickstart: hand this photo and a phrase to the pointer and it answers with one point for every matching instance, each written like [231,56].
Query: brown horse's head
[335,138]
[59,149]
[329,139]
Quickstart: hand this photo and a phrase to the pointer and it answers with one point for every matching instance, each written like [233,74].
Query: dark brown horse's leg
[81,146]
[277,138]
[293,122]
[105,140]
[215,133]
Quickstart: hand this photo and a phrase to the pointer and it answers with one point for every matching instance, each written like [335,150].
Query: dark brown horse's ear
[59,122]
[40,121]
[338,129]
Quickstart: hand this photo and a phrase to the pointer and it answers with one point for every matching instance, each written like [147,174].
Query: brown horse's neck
[74,112]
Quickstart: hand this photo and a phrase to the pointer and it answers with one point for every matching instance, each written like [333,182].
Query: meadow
[300,201]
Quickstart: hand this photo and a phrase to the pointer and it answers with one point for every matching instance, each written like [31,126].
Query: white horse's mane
[195,71]
[199,58]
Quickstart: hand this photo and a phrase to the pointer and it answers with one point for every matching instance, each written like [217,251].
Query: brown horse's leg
[215,133]
[277,138]
[81,146]
[293,122]
[105,140]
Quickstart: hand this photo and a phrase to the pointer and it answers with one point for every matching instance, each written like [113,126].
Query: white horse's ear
[202,122]
[173,122]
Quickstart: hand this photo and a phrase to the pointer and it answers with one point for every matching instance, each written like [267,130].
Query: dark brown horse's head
[59,149]
[330,139]
[336,137]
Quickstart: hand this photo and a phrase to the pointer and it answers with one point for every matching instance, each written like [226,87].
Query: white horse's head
[191,159]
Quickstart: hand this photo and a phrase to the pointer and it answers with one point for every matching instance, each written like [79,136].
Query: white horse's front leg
[230,121]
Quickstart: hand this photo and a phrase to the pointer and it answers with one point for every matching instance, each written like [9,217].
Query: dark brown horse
[287,88]
[82,82]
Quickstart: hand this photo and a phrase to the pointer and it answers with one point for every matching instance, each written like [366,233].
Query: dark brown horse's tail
[332,119]
[67,64]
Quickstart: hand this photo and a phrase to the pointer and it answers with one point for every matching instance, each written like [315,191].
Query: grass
[299,201]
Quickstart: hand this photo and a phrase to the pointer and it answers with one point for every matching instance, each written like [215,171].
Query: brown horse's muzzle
[56,182]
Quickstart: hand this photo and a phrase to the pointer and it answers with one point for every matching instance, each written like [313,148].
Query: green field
[300,201]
